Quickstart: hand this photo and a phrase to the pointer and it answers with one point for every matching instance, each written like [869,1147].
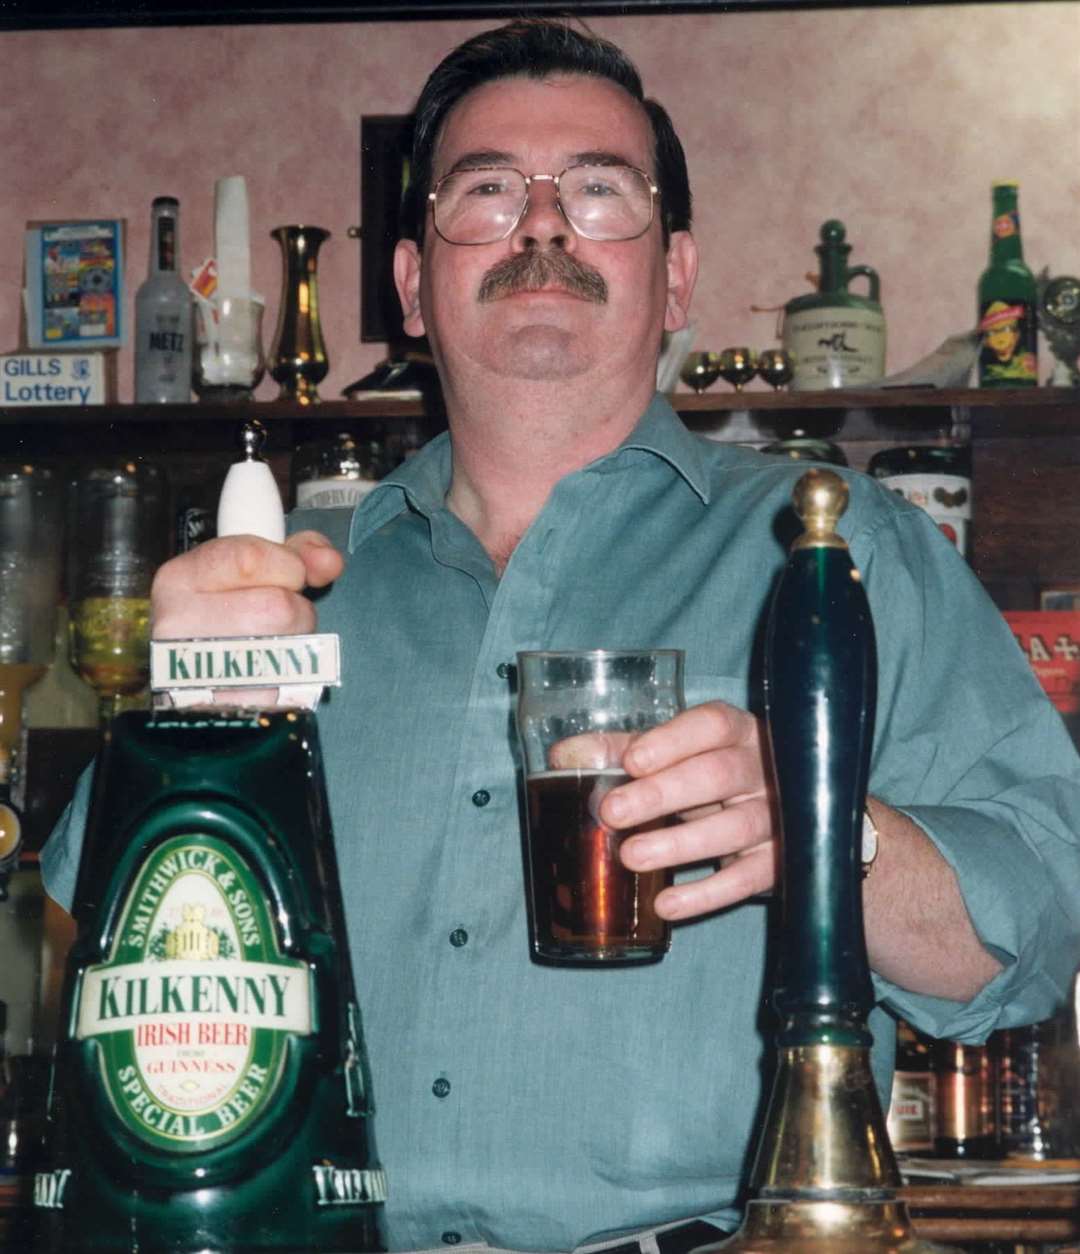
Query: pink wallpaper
[895,120]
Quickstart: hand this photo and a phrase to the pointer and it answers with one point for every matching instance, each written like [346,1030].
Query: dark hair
[537,48]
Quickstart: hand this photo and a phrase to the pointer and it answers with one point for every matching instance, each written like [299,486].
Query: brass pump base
[824,1228]
[825,1177]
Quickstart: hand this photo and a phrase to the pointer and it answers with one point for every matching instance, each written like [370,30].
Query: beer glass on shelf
[31,540]
[576,713]
[118,539]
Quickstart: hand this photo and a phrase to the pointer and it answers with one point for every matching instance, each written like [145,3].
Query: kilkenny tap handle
[250,502]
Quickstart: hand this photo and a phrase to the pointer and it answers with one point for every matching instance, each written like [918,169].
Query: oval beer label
[194,1006]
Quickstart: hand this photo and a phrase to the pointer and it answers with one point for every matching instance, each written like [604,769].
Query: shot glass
[576,713]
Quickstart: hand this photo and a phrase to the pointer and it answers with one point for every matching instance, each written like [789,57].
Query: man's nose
[543,224]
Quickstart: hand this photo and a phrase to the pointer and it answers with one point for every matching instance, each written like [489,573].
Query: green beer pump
[210,1091]
[824,1179]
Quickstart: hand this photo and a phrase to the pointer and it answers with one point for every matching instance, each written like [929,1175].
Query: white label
[332,493]
[348,1186]
[30,379]
[177,1003]
[245,662]
[835,347]
[946,498]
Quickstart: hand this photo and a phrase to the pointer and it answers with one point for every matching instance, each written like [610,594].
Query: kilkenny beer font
[210,1092]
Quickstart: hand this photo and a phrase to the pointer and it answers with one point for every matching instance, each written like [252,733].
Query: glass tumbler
[576,713]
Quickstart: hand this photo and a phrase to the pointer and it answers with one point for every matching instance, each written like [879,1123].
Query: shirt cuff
[1031,932]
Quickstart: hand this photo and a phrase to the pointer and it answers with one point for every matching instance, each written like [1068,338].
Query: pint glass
[576,713]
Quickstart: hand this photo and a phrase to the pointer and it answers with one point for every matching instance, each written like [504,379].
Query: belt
[679,1239]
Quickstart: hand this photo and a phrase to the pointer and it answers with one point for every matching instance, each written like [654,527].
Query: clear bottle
[911,1119]
[1007,312]
[338,471]
[195,517]
[163,315]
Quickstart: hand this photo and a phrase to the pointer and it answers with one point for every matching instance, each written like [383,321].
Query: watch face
[869,840]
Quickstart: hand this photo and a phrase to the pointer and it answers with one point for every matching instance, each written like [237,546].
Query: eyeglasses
[601,202]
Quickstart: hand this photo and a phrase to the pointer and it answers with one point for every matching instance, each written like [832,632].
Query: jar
[937,478]
[339,470]
[805,448]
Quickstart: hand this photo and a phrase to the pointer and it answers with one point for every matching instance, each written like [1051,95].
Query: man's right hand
[243,586]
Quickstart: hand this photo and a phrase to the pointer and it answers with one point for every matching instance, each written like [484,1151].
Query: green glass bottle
[1007,313]
[209,1090]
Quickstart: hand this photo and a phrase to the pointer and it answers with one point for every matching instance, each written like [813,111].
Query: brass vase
[298,358]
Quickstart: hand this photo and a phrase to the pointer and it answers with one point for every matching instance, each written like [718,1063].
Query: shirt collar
[421,482]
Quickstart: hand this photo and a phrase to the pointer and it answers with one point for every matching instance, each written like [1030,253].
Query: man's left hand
[707,766]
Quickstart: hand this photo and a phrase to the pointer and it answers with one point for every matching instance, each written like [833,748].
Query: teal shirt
[573,1104]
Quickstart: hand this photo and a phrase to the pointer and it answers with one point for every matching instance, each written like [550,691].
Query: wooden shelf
[875,416]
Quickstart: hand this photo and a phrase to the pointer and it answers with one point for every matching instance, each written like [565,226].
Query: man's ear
[407,282]
[682,267]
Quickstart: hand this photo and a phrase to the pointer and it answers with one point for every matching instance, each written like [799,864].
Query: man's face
[555,328]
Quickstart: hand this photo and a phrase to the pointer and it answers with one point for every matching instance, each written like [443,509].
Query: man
[541,1109]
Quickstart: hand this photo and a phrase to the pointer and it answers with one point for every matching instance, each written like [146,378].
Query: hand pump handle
[820,675]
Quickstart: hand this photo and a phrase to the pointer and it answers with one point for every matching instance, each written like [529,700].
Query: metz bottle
[209,1091]
[1007,318]
[163,315]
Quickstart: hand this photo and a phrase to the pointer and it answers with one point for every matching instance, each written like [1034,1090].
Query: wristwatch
[869,842]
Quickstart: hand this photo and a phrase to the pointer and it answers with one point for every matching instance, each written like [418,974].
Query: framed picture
[385,143]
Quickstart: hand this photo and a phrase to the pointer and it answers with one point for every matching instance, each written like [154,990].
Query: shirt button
[441,1086]
[502,670]
[481,797]
[459,937]
[451,1238]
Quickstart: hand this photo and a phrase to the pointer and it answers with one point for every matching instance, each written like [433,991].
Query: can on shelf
[937,478]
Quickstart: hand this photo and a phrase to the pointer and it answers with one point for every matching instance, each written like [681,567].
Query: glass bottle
[1028,1100]
[163,315]
[195,512]
[31,540]
[119,538]
[806,448]
[1007,301]
[911,1118]
[966,1101]
[338,471]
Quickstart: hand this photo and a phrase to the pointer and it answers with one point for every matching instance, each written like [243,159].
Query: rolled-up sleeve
[968,745]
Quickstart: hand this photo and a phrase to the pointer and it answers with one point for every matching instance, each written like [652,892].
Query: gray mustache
[534,269]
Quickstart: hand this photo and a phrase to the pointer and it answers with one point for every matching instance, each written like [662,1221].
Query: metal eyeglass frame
[654,192]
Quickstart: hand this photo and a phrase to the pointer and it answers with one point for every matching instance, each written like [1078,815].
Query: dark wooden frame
[45,14]
[384,155]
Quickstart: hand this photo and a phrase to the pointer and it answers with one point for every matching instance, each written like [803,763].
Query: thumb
[322,562]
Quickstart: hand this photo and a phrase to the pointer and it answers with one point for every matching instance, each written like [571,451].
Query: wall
[894,119]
